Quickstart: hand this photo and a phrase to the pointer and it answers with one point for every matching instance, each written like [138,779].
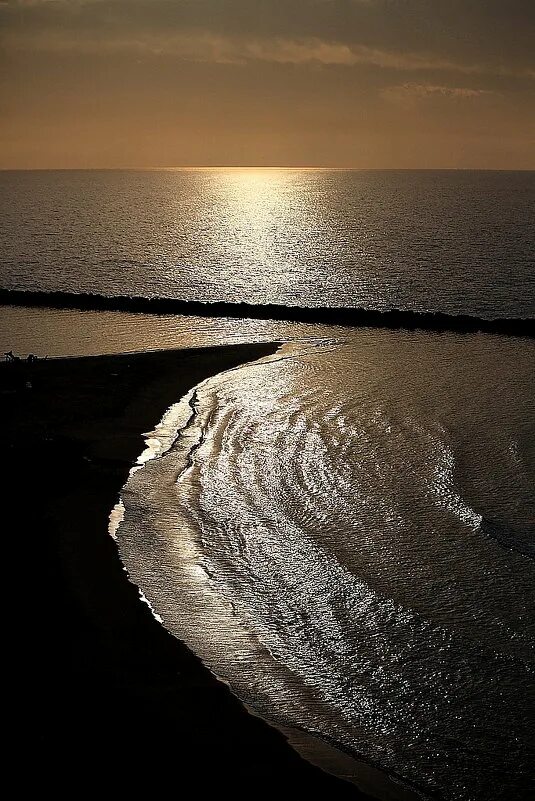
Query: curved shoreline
[392,318]
[176,424]
[120,698]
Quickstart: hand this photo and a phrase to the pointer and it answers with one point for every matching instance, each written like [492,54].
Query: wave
[343,316]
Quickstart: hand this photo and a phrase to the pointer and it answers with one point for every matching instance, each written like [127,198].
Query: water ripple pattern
[320,526]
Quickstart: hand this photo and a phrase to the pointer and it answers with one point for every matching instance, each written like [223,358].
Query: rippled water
[455,242]
[344,532]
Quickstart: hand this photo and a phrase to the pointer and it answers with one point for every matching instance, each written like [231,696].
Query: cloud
[470,36]
[408,94]
[333,53]
[206,46]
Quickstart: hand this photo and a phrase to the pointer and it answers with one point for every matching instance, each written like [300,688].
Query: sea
[344,530]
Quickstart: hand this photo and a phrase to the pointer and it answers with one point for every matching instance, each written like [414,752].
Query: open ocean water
[344,531]
[453,242]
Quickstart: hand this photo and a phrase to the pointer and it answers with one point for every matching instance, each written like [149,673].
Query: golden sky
[350,83]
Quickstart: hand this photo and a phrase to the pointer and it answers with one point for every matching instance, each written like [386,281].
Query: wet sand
[106,697]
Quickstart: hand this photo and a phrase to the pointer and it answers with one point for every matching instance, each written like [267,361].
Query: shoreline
[315,748]
[119,697]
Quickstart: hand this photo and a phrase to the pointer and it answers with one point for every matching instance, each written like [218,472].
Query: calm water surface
[426,241]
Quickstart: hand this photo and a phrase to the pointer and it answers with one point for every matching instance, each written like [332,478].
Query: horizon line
[201,167]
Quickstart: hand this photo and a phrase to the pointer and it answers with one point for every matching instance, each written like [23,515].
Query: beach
[108,696]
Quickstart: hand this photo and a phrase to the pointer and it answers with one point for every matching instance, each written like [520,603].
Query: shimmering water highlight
[315,526]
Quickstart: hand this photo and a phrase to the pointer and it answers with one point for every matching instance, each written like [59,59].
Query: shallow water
[342,532]
[68,332]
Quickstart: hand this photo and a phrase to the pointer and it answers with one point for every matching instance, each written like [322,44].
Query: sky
[340,83]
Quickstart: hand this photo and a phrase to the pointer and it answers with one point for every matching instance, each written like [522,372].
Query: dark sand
[105,697]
